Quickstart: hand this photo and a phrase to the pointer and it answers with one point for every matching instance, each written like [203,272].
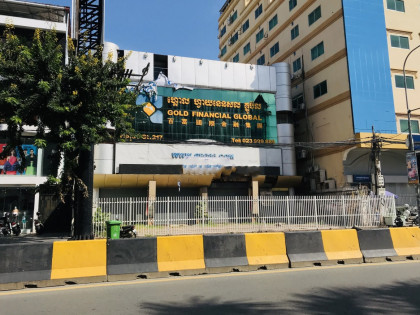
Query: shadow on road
[401,298]
[198,305]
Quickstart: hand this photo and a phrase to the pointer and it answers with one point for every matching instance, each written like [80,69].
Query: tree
[72,105]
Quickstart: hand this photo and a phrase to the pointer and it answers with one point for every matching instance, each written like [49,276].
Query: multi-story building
[207,128]
[346,59]
[17,187]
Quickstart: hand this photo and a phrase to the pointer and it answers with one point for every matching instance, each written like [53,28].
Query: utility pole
[377,177]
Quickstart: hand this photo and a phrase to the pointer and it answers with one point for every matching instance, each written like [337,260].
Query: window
[320,89]
[223,51]
[317,51]
[245,26]
[400,41]
[258,11]
[222,31]
[273,22]
[236,58]
[233,17]
[297,65]
[260,35]
[234,38]
[297,101]
[247,48]
[399,81]
[284,117]
[275,49]
[397,5]
[314,15]
[294,32]
[414,125]
[292,4]
[261,60]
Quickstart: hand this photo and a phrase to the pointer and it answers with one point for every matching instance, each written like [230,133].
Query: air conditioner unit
[330,184]
[266,35]
[230,41]
[320,176]
[230,20]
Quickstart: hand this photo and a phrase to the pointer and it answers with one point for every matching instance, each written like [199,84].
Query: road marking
[198,277]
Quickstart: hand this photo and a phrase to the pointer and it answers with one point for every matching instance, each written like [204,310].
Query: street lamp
[410,133]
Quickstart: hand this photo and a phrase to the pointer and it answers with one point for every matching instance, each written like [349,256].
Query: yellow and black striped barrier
[108,260]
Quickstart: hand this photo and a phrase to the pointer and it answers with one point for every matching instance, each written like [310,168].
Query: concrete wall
[404,24]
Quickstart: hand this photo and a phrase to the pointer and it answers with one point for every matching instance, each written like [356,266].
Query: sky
[185,28]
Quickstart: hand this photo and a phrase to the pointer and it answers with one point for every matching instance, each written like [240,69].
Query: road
[389,288]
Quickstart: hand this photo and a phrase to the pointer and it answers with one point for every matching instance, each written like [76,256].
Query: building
[18,189]
[346,59]
[208,128]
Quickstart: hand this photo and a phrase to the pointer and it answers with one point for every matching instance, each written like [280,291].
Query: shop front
[21,171]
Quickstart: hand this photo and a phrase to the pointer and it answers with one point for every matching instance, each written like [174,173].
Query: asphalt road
[389,288]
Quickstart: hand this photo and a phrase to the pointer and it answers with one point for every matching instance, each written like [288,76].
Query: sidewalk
[34,239]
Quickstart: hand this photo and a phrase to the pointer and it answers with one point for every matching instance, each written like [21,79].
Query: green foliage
[201,210]
[99,221]
[69,104]
[100,217]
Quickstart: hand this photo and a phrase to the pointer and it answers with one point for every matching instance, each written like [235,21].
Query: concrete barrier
[305,249]
[406,241]
[180,253]
[266,250]
[131,257]
[101,260]
[225,251]
[79,261]
[342,246]
[23,264]
[376,245]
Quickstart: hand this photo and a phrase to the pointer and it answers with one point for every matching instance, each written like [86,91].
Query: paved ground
[389,288]
[33,238]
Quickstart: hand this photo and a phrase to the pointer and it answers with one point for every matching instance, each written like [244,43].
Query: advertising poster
[413,175]
[2,161]
[12,164]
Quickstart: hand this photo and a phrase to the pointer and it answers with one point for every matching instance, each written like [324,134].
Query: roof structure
[31,10]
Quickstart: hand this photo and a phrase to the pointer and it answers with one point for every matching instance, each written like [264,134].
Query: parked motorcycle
[4,225]
[39,226]
[10,226]
[407,216]
[15,225]
[128,231]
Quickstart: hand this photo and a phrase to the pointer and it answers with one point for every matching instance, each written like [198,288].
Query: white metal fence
[194,215]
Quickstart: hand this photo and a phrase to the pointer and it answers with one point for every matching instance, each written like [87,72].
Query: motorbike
[15,225]
[406,216]
[4,225]
[39,226]
[128,231]
[10,226]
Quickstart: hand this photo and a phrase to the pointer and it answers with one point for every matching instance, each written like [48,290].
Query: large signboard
[412,168]
[176,118]
[196,158]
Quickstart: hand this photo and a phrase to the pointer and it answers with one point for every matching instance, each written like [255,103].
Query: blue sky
[170,27]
